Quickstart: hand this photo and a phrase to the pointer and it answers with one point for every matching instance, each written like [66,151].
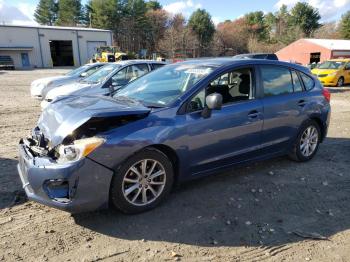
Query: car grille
[322,75]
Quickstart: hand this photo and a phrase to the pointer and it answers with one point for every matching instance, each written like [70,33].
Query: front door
[25,60]
[229,135]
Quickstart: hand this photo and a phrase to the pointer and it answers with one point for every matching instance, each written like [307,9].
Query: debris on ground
[315,236]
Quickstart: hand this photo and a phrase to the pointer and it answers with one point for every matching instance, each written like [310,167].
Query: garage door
[92,46]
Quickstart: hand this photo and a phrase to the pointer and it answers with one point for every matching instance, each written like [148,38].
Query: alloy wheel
[340,82]
[308,141]
[144,182]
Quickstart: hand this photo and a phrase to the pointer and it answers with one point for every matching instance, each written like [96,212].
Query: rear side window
[296,82]
[156,66]
[309,83]
[276,80]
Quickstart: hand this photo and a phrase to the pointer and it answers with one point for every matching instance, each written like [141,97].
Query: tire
[129,183]
[340,82]
[299,152]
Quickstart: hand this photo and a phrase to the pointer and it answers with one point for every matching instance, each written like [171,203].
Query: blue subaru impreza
[179,122]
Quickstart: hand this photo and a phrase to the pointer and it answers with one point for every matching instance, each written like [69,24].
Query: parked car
[40,87]
[6,63]
[335,72]
[177,123]
[108,79]
[257,56]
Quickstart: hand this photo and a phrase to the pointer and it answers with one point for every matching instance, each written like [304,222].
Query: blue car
[180,122]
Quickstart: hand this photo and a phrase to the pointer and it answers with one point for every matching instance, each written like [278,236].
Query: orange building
[309,50]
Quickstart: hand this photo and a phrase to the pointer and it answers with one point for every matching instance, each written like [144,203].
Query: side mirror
[84,74]
[213,102]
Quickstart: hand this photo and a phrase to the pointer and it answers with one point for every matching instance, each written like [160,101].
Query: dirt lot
[265,211]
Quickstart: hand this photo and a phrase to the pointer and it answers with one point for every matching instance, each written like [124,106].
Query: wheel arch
[320,125]
[171,154]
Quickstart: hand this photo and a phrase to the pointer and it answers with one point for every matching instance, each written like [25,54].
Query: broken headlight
[79,149]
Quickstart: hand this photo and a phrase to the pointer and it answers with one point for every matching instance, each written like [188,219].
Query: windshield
[78,70]
[101,74]
[331,65]
[165,85]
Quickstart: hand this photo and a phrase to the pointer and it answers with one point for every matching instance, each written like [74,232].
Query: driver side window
[120,77]
[234,86]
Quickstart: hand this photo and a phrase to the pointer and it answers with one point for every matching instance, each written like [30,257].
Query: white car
[106,80]
[40,87]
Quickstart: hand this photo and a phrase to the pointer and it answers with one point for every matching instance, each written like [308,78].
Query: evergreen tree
[153,5]
[103,13]
[305,17]
[202,25]
[344,26]
[257,25]
[46,12]
[70,13]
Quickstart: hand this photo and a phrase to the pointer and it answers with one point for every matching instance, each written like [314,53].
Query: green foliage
[153,5]
[45,13]
[103,13]
[70,13]
[257,24]
[305,17]
[344,27]
[202,25]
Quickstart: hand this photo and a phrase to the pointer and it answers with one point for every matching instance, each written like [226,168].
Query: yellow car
[335,72]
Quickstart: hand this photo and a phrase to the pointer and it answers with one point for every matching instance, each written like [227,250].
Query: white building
[50,46]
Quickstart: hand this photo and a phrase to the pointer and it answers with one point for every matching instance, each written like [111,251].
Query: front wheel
[340,82]
[307,142]
[142,182]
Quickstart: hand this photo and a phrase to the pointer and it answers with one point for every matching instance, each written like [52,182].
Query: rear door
[284,102]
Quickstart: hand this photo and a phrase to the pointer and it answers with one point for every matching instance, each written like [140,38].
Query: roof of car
[219,62]
[137,61]
[252,54]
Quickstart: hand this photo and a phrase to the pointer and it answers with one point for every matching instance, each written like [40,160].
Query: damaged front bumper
[75,187]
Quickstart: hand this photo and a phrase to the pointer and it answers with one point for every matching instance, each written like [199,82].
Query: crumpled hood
[65,115]
[65,89]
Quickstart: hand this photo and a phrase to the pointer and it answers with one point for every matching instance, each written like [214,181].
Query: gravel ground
[276,210]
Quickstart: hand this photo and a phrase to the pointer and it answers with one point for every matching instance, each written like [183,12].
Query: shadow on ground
[335,90]
[247,205]
[11,192]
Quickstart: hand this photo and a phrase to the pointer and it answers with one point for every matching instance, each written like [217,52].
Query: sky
[21,11]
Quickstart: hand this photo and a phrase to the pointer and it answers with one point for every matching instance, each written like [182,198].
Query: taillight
[326,94]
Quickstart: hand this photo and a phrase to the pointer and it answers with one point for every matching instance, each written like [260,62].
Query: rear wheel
[307,142]
[340,82]
[142,182]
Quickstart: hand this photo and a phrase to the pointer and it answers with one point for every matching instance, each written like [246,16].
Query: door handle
[301,103]
[253,114]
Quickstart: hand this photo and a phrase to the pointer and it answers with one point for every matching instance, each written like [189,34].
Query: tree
[231,37]
[69,13]
[103,13]
[202,25]
[131,32]
[257,25]
[153,5]
[46,12]
[179,39]
[157,24]
[344,26]
[306,17]
[328,31]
